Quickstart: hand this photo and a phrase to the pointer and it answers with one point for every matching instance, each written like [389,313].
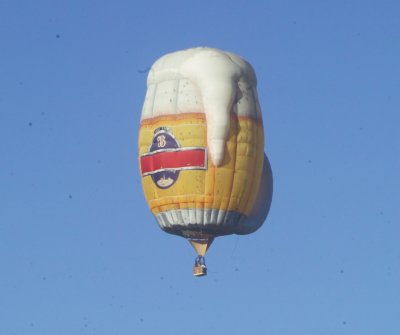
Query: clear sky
[80,252]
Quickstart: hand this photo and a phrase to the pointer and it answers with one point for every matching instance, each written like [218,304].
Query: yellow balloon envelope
[201,148]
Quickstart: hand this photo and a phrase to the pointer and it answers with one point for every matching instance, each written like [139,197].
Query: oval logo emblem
[162,141]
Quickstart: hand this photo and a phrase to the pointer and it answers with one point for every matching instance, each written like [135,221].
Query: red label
[176,159]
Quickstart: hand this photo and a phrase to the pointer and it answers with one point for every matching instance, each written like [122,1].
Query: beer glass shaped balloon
[201,148]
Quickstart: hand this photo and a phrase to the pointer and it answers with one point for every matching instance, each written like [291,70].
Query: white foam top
[204,80]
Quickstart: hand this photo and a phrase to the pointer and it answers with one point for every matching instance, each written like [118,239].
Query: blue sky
[80,252]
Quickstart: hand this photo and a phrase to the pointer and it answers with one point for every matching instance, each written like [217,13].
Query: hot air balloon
[201,148]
